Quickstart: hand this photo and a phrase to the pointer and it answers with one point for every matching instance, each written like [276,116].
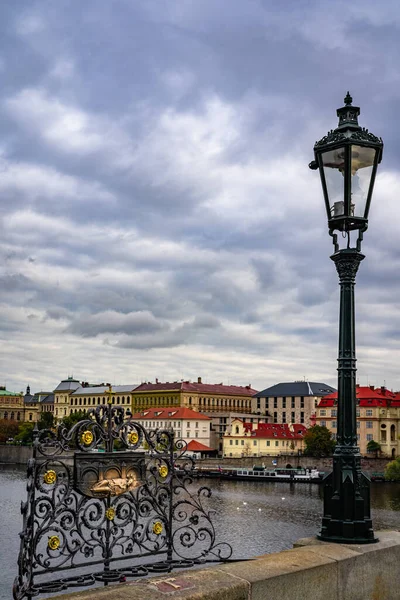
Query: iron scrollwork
[95,513]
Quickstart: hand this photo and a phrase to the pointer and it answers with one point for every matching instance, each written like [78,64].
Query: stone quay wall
[371,465]
[310,571]
[19,455]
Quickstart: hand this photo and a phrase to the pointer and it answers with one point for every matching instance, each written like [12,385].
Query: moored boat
[261,473]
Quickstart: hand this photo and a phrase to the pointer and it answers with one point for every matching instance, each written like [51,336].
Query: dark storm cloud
[155,190]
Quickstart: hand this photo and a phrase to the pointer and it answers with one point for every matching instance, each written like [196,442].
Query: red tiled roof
[172,412]
[276,430]
[206,388]
[367,396]
[194,446]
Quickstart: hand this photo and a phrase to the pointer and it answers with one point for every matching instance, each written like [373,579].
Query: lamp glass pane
[362,163]
[333,163]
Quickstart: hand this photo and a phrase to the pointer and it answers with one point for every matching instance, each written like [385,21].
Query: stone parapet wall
[311,571]
[14,455]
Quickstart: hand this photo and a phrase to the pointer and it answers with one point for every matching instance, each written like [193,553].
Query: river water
[254,517]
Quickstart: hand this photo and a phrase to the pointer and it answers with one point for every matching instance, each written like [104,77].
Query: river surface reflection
[254,517]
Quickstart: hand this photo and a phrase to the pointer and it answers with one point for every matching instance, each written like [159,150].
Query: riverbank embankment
[19,455]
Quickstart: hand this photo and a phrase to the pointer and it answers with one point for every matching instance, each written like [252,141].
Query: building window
[266,403]
[369,437]
[188,434]
[301,417]
[369,424]
[322,412]
[258,402]
[284,417]
[275,402]
[383,435]
[323,423]
[358,412]
[293,417]
[334,413]
[334,424]
[236,442]
[31,417]
[254,442]
[18,416]
[293,402]
[276,443]
[358,424]
[268,443]
[283,402]
[302,402]
[231,442]
[358,437]
[275,417]
[368,412]
[242,442]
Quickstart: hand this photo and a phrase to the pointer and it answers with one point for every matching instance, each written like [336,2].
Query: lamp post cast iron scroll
[106,502]
[347,159]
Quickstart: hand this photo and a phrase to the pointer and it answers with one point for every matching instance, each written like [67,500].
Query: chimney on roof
[372,387]
[156,380]
[383,389]
[28,390]
[199,380]
[357,385]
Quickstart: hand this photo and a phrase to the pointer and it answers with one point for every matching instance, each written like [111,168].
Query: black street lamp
[347,159]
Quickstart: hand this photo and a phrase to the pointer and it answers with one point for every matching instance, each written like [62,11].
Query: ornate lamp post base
[346,517]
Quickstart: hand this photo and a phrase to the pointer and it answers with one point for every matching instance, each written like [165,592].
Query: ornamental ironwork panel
[106,502]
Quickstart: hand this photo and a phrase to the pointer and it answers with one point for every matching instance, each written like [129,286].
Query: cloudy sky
[157,215]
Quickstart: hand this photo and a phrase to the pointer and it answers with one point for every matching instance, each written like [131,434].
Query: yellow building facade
[266,439]
[378,418]
[202,397]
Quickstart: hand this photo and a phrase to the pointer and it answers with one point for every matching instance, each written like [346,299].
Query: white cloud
[67,128]
[29,24]
[35,181]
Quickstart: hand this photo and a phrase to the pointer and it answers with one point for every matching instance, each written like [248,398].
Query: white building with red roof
[191,426]
[378,418]
[263,439]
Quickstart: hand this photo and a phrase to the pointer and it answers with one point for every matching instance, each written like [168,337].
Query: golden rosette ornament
[87,438]
[133,437]
[110,514]
[50,477]
[157,528]
[54,542]
[163,471]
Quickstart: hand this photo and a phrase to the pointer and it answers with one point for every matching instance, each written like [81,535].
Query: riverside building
[378,418]
[265,439]
[290,402]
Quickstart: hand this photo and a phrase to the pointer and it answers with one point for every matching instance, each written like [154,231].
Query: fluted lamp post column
[347,159]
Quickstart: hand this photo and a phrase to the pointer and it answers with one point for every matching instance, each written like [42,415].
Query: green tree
[373,446]
[25,435]
[319,442]
[72,419]
[8,429]
[46,421]
[392,471]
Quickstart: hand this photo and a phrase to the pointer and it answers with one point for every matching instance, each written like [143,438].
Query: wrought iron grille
[106,502]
